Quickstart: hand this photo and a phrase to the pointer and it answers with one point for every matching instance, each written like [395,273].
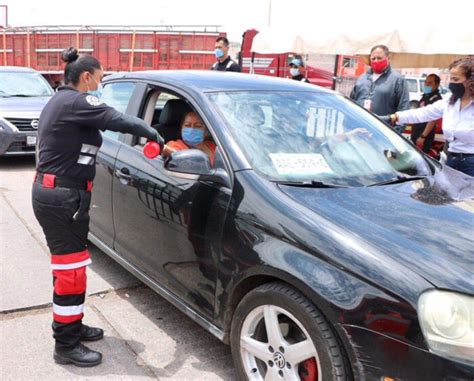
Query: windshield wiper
[311,184]
[398,180]
[20,95]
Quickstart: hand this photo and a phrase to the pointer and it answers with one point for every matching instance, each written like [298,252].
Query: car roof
[208,80]
[17,69]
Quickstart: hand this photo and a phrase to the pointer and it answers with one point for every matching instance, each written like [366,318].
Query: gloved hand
[154,136]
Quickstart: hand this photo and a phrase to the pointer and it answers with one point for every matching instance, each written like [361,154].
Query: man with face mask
[297,70]
[381,90]
[224,62]
[422,134]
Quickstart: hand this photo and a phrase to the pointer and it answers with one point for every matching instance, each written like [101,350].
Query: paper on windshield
[300,163]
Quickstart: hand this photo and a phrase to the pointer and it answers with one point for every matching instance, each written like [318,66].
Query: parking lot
[146,337]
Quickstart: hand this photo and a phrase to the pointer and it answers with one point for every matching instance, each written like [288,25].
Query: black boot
[91,333]
[80,355]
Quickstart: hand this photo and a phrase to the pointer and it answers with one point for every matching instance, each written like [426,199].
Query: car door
[169,227]
[117,95]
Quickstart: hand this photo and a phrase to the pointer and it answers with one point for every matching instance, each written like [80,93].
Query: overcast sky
[234,16]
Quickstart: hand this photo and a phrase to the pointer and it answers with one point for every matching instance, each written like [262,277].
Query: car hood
[21,107]
[426,225]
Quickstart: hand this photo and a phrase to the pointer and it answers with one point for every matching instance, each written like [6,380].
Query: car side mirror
[195,162]
[190,161]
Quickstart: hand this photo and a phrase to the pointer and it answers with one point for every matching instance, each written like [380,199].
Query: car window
[117,95]
[422,84]
[163,98]
[412,85]
[23,85]
[316,136]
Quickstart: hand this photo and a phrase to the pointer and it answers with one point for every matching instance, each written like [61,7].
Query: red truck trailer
[119,48]
[319,70]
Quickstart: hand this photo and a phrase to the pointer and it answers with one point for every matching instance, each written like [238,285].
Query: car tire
[297,329]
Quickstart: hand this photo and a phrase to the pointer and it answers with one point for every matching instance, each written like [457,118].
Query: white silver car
[23,94]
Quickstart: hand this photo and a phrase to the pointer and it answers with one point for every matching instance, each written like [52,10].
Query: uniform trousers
[63,214]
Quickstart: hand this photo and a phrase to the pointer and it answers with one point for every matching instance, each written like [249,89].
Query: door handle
[125,171]
[123,174]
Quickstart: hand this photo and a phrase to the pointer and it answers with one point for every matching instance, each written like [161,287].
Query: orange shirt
[206,146]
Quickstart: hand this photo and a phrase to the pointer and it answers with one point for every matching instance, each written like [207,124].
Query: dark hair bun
[69,55]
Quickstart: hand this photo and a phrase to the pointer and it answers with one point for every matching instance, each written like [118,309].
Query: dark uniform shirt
[387,95]
[417,129]
[300,78]
[69,136]
[227,65]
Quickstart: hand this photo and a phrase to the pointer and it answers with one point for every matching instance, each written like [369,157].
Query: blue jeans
[464,164]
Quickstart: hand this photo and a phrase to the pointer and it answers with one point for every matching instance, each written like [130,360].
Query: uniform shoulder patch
[93,100]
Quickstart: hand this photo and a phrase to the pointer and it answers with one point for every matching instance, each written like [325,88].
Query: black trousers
[63,214]
[417,130]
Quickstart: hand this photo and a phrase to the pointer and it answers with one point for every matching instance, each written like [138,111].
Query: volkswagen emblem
[35,123]
[279,360]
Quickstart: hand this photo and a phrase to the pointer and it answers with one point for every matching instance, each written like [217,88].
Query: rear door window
[117,95]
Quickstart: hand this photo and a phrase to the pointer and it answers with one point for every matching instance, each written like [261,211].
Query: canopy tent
[410,46]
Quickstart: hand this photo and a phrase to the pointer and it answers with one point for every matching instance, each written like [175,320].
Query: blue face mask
[427,89]
[192,136]
[219,53]
[97,92]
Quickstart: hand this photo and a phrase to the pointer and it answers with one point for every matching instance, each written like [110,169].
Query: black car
[319,243]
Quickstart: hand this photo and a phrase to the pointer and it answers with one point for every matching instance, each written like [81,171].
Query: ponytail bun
[69,55]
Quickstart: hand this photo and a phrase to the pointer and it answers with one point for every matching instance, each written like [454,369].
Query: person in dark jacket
[422,134]
[69,138]
[381,90]
[224,62]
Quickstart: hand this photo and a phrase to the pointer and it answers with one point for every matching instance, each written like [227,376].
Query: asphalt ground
[146,338]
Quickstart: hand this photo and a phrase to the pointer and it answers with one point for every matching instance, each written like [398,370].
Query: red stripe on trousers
[67,319]
[70,282]
[66,259]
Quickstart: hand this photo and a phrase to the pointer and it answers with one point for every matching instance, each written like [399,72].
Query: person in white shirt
[457,113]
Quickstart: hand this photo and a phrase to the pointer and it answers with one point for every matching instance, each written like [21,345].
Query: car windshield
[317,137]
[23,85]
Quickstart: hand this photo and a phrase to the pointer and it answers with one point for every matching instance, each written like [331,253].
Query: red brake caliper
[309,370]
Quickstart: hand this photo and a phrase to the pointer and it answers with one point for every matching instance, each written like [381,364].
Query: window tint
[117,95]
[315,136]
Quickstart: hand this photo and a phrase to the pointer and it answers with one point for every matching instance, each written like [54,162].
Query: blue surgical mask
[219,53]
[192,136]
[97,92]
[427,89]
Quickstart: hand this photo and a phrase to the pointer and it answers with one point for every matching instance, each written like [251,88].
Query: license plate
[30,140]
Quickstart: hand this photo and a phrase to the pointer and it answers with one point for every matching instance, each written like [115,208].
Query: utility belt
[461,155]
[48,180]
